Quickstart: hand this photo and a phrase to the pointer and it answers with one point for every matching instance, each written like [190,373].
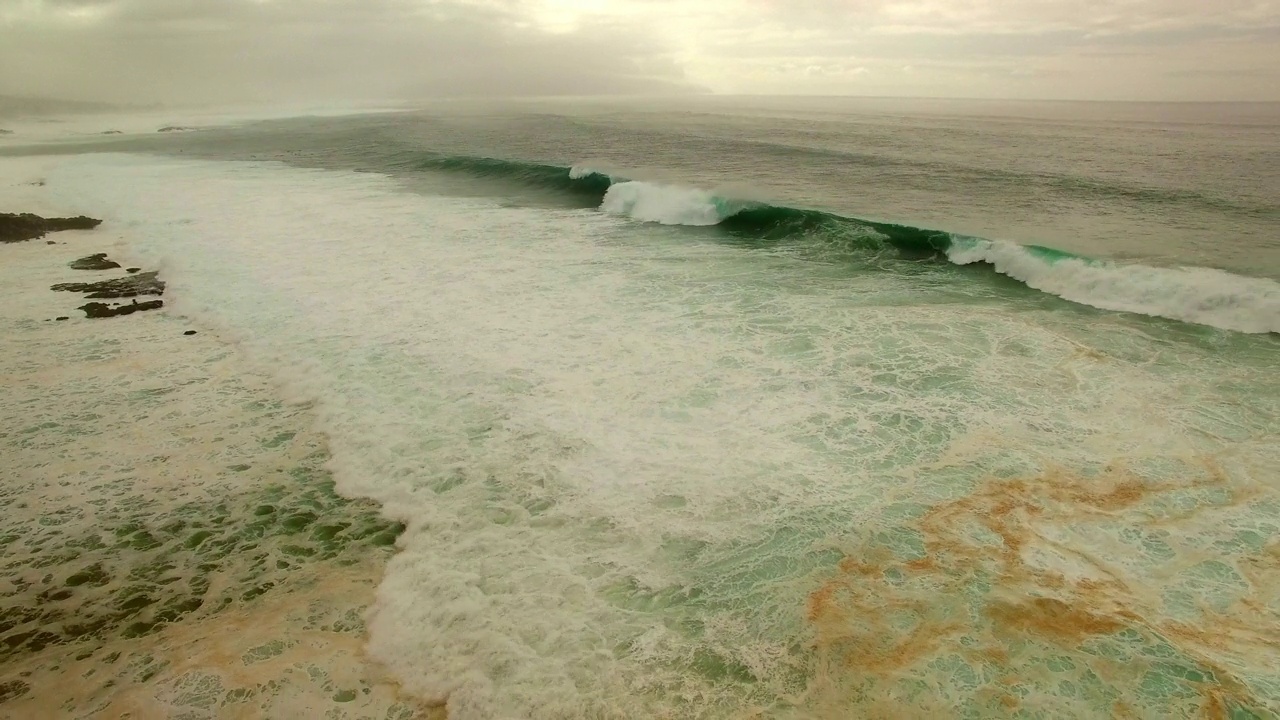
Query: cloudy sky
[305,50]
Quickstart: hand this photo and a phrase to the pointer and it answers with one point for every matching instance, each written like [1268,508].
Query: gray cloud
[284,50]
[287,50]
[1075,49]
[1019,16]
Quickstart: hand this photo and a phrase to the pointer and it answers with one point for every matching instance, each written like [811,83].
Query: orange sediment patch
[991,600]
[263,661]
[1053,619]
[849,613]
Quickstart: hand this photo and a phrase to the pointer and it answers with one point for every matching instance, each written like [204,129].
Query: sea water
[664,449]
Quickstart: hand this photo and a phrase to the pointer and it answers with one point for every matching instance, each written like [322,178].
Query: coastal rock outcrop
[102,310]
[17,227]
[26,226]
[94,262]
[147,283]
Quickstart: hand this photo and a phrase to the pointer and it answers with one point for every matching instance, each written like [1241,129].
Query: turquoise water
[670,448]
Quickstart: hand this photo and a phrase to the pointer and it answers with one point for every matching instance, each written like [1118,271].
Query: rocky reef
[94,262]
[129,286]
[103,310]
[26,226]
[147,283]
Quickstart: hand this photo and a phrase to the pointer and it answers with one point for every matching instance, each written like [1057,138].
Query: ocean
[767,407]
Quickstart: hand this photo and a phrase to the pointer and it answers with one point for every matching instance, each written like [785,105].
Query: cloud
[1017,16]
[1086,49]
[356,49]
[262,50]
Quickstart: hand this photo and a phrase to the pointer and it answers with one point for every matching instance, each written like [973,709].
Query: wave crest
[1189,294]
[665,204]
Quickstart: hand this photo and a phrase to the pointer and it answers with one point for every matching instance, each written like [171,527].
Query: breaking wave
[1190,294]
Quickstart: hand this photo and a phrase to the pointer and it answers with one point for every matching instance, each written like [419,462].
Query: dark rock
[111,132]
[62,317]
[25,226]
[102,310]
[141,284]
[13,689]
[5,132]
[79,222]
[50,242]
[94,262]
[189,332]
[132,270]
[175,128]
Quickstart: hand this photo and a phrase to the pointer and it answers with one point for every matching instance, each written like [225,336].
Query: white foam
[577,172]
[627,461]
[665,204]
[1200,295]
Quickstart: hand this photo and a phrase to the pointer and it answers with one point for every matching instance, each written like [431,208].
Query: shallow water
[173,544]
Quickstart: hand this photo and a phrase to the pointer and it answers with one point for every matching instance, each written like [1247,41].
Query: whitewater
[663,446]
[1199,295]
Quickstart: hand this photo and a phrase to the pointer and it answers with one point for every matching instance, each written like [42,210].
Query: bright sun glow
[567,15]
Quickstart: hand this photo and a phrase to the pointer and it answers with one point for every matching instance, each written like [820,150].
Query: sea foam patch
[643,475]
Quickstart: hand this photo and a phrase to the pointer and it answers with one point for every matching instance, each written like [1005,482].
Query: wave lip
[1191,294]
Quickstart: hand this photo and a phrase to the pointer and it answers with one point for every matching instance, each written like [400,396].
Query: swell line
[1200,295]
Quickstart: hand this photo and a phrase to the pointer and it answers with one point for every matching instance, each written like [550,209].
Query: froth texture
[652,474]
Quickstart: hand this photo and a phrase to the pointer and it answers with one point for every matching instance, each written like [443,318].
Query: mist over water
[714,424]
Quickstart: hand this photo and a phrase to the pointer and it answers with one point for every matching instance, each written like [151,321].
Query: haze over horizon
[254,51]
